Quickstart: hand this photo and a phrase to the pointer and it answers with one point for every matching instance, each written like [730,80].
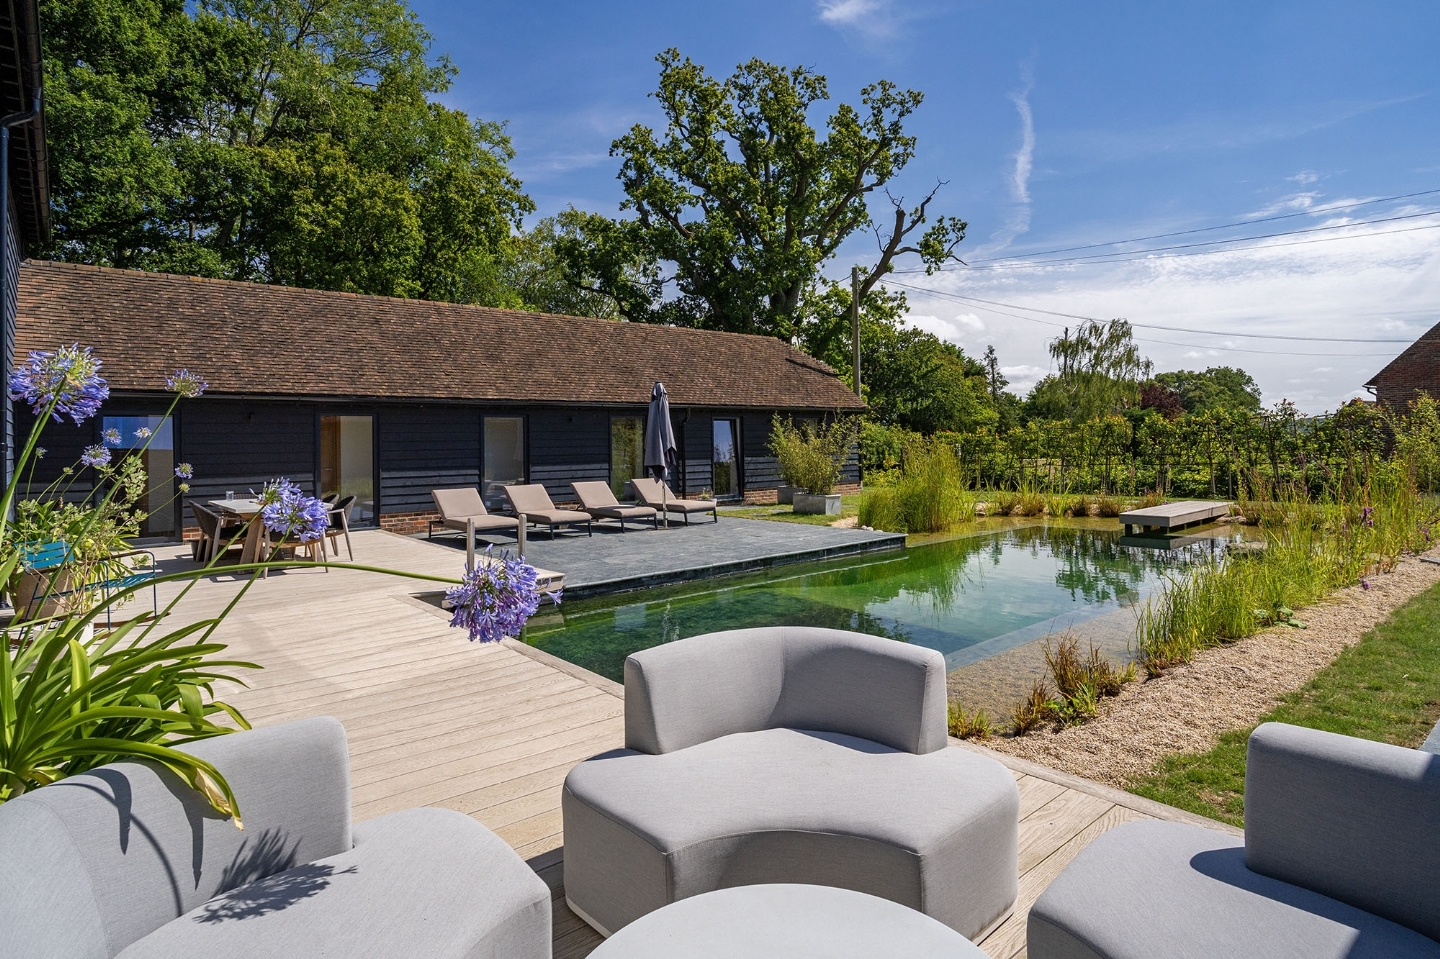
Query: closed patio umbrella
[660,451]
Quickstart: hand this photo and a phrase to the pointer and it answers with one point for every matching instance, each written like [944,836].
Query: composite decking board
[492,730]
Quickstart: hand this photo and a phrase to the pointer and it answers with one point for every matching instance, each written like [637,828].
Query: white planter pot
[785,495]
[819,504]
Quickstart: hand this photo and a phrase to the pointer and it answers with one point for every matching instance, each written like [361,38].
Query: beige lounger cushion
[532,500]
[597,499]
[458,505]
[650,494]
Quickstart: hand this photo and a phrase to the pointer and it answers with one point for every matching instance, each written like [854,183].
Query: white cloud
[963,328]
[1022,377]
[1381,286]
[847,13]
[1018,223]
[1294,203]
[1304,177]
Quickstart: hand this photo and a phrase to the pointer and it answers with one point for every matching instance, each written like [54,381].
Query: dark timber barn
[390,398]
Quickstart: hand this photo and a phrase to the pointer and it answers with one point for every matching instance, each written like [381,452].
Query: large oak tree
[287,141]
[738,203]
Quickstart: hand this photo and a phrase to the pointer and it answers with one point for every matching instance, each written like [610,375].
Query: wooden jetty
[1168,516]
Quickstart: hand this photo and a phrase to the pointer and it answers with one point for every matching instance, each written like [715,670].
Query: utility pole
[855,322]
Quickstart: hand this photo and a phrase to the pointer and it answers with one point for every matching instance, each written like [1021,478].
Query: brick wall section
[769,497]
[407,523]
[1412,372]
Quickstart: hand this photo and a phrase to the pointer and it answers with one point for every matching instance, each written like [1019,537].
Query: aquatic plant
[1311,548]
[925,495]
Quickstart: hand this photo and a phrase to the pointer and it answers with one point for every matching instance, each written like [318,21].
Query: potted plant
[812,459]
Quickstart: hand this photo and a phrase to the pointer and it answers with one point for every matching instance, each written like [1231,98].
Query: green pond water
[969,597]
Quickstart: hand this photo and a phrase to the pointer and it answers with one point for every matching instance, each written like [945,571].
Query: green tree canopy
[739,201]
[287,141]
[1218,388]
[1099,370]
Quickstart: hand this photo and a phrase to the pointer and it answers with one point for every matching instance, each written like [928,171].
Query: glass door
[725,460]
[152,440]
[347,464]
[503,456]
[627,451]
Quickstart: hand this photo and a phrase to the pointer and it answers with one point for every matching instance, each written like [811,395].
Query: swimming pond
[970,597]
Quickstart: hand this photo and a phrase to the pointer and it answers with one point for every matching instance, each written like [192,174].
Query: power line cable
[1191,346]
[1139,255]
[1208,229]
[1154,326]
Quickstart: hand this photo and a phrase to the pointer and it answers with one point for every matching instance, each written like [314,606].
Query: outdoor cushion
[597,499]
[532,500]
[97,864]
[789,754]
[935,832]
[1356,820]
[1153,889]
[456,506]
[424,882]
[650,493]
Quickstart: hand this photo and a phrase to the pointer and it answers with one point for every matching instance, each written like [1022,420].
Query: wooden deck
[491,730]
[1169,516]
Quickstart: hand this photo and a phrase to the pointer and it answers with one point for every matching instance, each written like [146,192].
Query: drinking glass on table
[229,495]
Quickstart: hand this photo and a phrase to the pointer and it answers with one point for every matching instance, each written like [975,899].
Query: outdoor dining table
[247,510]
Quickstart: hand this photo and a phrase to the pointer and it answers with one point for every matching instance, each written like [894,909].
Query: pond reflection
[999,589]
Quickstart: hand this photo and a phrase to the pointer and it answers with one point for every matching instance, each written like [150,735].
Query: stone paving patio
[612,561]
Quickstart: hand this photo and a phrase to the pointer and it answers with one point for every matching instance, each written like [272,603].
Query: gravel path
[1228,687]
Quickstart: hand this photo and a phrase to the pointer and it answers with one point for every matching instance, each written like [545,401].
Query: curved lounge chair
[793,755]
[534,503]
[599,501]
[654,493]
[128,860]
[457,506]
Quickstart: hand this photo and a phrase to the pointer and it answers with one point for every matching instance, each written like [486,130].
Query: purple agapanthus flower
[184,471]
[187,384]
[112,437]
[96,456]
[496,598]
[295,514]
[143,433]
[69,378]
[274,491]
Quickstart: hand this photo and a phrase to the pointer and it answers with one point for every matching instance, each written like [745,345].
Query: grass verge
[1386,688]
[849,506]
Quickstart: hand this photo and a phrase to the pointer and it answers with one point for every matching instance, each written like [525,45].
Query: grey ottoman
[789,755]
[786,922]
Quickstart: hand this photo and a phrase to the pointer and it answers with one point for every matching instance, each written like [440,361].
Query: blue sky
[1056,125]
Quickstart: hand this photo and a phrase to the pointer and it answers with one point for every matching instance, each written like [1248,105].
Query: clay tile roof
[249,338]
[1420,362]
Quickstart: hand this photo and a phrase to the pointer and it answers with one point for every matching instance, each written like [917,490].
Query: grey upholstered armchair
[792,755]
[128,861]
[1340,860]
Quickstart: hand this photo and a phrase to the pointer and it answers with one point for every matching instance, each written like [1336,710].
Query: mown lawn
[1386,687]
[849,506]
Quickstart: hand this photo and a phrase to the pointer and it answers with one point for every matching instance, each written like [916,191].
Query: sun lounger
[458,506]
[597,500]
[653,493]
[534,503]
